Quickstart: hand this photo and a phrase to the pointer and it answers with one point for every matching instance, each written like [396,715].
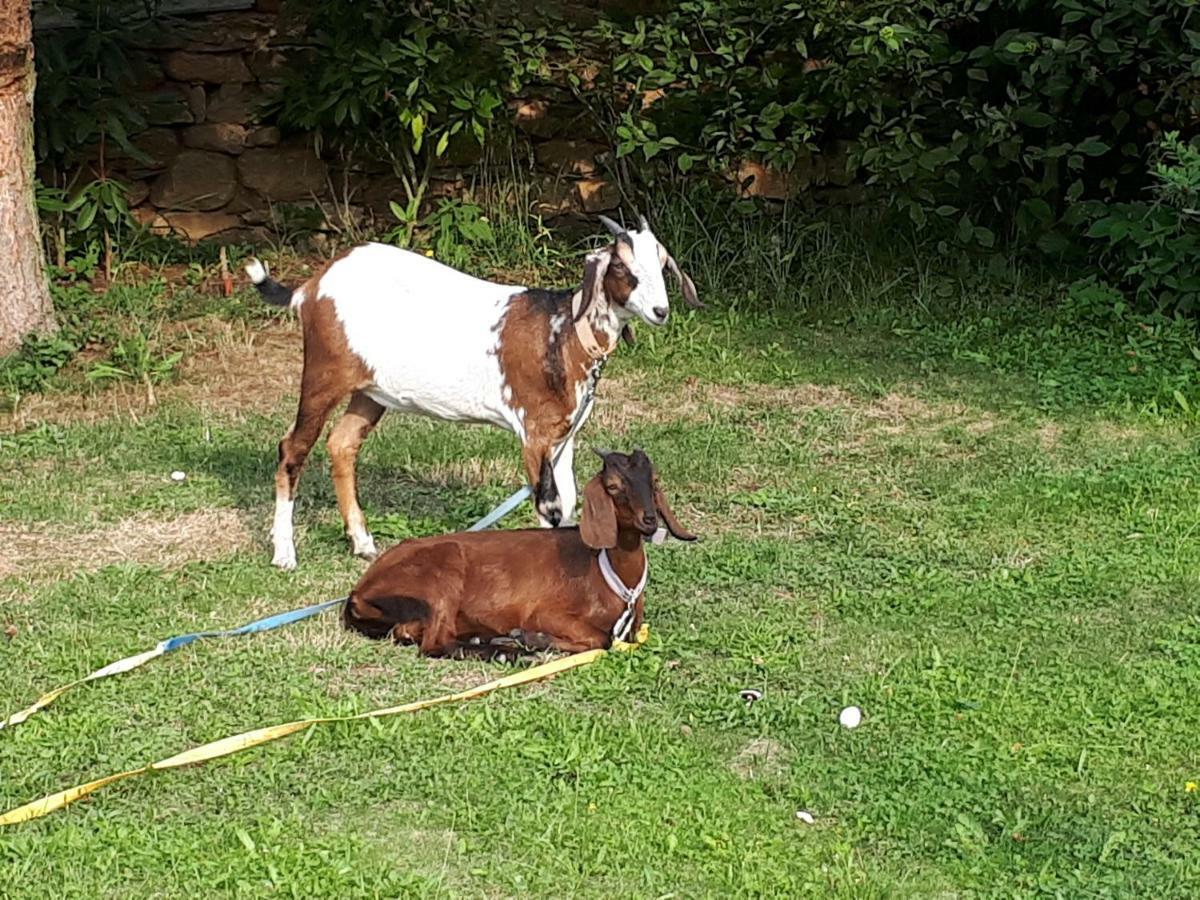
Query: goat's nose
[661,312]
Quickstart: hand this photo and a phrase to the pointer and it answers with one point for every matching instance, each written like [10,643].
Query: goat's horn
[643,225]
[602,452]
[611,226]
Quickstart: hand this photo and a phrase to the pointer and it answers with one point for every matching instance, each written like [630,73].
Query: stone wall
[213,166]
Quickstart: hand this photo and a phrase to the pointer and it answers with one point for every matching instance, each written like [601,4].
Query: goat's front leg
[538,641]
[539,470]
[564,481]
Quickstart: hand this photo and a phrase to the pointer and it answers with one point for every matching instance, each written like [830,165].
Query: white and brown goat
[392,329]
[495,592]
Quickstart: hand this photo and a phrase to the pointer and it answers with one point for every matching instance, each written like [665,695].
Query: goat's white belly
[457,400]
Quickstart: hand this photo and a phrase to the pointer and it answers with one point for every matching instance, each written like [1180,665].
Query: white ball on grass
[178,476]
[851,717]
[805,816]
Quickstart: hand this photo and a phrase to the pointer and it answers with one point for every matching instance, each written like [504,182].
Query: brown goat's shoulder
[539,360]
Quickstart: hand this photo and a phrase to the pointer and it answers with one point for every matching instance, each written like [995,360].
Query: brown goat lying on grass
[488,593]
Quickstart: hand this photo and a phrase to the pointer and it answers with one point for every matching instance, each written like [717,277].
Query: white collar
[628,595]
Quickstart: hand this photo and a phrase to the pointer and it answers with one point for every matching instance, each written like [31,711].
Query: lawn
[983,531]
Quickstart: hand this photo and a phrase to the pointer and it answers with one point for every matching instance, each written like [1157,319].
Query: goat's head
[625,496]
[628,274]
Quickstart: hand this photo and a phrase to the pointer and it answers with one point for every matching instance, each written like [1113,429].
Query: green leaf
[1034,118]
[442,144]
[1093,146]
[84,222]
[965,229]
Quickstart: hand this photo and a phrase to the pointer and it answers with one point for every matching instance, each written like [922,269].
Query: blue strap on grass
[266,624]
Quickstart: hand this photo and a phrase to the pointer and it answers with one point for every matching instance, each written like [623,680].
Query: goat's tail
[271,290]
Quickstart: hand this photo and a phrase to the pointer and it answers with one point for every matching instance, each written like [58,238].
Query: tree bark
[25,306]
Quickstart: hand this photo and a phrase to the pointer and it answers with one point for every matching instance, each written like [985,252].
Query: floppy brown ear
[593,281]
[690,297]
[598,524]
[668,516]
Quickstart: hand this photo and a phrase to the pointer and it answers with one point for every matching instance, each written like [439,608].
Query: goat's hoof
[285,559]
[364,548]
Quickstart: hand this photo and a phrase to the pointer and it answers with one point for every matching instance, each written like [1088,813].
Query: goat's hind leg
[314,410]
[345,439]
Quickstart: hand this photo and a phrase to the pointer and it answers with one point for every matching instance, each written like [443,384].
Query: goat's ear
[686,285]
[598,524]
[627,334]
[594,269]
[668,516]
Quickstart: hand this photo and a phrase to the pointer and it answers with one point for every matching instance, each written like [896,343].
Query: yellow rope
[247,739]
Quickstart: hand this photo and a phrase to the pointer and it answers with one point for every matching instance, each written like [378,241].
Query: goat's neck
[628,558]
[605,323]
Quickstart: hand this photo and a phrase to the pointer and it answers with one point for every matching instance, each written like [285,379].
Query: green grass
[985,535]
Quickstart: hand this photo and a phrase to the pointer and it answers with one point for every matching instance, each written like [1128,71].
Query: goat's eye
[618,266]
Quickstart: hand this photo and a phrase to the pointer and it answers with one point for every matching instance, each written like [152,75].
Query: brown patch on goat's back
[146,538]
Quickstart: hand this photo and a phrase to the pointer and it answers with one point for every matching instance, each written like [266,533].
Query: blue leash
[266,624]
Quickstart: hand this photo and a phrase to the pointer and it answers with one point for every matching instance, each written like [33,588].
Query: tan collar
[587,337]
[585,332]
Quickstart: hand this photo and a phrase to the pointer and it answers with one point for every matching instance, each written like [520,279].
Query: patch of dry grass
[230,368]
[143,539]
[760,758]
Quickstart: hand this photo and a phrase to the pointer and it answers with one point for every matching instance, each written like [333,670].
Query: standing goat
[483,592]
[393,329]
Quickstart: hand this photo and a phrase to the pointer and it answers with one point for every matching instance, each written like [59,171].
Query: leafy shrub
[1156,246]
[975,113]
[85,75]
[137,356]
[29,369]
[397,85]
[457,230]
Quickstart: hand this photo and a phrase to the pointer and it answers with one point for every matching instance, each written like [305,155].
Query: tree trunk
[24,295]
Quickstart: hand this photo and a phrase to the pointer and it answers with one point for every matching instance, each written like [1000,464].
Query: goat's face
[636,270]
[629,275]
[625,496]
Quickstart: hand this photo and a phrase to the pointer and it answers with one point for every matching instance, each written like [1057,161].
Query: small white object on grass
[851,717]
[805,816]
[178,476]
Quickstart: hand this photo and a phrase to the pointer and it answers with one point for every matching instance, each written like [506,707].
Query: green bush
[1155,246]
[399,86]
[981,114]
